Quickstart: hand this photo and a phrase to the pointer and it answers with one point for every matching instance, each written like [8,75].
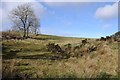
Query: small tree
[34,25]
[24,18]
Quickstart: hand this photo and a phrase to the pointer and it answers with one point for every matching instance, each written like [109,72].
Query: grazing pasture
[46,56]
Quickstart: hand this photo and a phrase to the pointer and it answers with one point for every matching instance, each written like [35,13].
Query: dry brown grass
[28,59]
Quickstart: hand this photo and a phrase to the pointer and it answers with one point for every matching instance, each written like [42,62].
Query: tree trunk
[27,32]
[24,33]
[35,31]
[28,29]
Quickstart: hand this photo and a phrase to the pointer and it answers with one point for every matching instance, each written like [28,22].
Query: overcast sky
[76,19]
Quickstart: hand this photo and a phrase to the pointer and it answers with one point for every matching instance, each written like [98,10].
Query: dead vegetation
[72,51]
[13,36]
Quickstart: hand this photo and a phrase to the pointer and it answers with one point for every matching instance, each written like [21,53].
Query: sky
[71,19]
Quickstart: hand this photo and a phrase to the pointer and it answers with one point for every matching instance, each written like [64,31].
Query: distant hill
[116,36]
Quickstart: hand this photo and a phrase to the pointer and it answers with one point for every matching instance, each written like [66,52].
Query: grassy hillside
[30,58]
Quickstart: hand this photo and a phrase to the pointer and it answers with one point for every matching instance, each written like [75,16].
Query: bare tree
[24,18]
[35,26]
